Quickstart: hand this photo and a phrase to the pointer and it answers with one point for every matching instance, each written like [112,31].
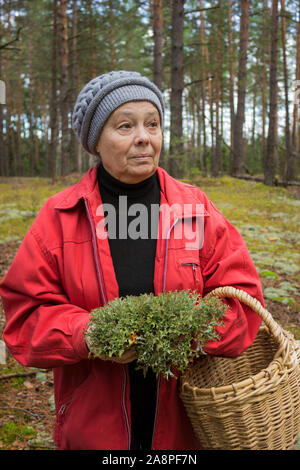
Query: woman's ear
[98,149]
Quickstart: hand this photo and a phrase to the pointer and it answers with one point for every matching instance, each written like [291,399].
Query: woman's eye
[126,125]
[153,124]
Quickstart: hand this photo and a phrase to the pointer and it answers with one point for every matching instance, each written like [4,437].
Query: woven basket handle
[254,304]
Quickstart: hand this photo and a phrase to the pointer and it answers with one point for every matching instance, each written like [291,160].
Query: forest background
[230,75]
[229,72]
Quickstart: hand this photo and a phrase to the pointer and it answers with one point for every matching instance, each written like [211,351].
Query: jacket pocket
[189,268]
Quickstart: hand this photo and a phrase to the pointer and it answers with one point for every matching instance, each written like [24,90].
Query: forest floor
[268,219]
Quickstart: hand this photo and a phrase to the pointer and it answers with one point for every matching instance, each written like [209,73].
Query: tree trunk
[92,41]
[265,54]
[19,114]
[253,146]
[157,26]
[111,36]
[239,154]
[204,84]
[216,154]
[53,104]
[190,160]
[269,176]
[9,136]
[289,160]
[32,169]
[231,82]
[2,147]
[64,58]
[35,111]
[296,116]
[158,42]
[176,144]
[74,144]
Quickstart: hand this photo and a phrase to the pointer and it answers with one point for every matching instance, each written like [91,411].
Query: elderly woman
[65,267]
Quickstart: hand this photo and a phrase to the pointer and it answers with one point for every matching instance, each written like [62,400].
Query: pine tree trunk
[9,134]
[19,114]
[204,84]
[74,144]
[239,154]
[190,158]
[200,143]
[176,144]
[158,42]
[289,169]
[53,104]
[32,169]
[269,176]
[111,36]
[2,147]
[231,83]
[92,41]
[157,27]
[216,155]
[253,152]
[296,116]
[64,58]
[264,80]
[38,99]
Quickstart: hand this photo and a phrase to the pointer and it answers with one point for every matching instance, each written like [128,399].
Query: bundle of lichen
[167,330]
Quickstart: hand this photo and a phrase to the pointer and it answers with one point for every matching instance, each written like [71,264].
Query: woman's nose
[141,136]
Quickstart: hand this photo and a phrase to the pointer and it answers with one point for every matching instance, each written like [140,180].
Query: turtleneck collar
[117,188]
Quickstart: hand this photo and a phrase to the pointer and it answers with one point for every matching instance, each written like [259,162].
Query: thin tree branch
[198,81]
[17,374]
[201,9]
[35,415]
[4,46]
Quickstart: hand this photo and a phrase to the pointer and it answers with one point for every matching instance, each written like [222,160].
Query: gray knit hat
[102,95]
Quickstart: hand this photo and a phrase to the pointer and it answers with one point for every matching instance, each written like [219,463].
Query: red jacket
[63,270]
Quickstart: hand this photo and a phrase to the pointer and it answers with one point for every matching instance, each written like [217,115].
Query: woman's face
[130,142]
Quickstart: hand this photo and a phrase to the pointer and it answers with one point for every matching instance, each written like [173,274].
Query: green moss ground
[267,218]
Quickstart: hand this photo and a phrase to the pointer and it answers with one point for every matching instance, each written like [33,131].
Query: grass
[11,431]
[268,219]
[20,201]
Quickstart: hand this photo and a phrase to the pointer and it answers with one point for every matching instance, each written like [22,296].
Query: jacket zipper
[95,252]
[124,407]
[164,286]
[63,408]
[166,255]
[104,302]
[156,408]
[194,267]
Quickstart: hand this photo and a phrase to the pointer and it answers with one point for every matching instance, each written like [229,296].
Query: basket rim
[236,390]
[284,361]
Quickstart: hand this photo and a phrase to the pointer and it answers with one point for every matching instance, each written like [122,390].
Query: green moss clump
[167,330]
[10,432]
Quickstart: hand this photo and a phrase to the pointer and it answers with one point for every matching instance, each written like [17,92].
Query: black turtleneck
[133,259]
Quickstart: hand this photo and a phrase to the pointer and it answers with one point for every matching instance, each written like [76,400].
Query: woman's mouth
[142,157]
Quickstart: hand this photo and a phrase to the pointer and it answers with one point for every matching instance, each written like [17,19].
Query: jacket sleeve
[42,328]
[226,262]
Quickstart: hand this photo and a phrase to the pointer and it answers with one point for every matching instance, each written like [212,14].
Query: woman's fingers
[128,356]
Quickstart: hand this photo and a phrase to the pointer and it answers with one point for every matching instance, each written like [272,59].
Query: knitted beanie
[102,95]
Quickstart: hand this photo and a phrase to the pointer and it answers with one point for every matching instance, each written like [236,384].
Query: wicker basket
[252,401]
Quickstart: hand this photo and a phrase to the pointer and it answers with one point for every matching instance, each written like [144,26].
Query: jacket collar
[81,190]
[170,187]
[179,195]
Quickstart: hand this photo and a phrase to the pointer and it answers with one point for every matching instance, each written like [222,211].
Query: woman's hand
[128,356]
